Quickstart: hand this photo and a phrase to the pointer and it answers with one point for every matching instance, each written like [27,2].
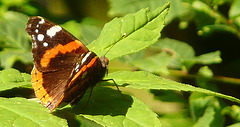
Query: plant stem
[221,79]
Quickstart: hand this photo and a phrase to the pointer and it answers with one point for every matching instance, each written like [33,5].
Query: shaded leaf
[179,119]
[72,27]
[9,56]
[204,79]
[108,108]
[206,119]
[179,51]
[179,48]
[208,29]
[89,33]
[203,11]
[205,110]
[208,58]
[157,63]
[12,31]
[11,78]
[233,112]
[84,32]
[205,71]
[122,7]
[184,55]
[14,39]
[22,112]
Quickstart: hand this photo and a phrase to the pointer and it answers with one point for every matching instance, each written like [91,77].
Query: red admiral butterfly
[63,67]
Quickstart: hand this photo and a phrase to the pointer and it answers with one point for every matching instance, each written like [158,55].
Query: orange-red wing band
[51,53]
[83,69]
[40,91]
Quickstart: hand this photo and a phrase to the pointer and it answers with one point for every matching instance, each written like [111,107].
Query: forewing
[53,47]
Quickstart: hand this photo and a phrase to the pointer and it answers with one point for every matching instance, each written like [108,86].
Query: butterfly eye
[104,60]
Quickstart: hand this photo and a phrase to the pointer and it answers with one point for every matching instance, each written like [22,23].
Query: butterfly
[64,68]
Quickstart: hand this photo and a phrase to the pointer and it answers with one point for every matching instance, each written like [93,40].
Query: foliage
[132,42]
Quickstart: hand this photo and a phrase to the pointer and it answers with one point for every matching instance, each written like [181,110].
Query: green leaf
[233,112]
[108,108]
[178,48]
[208,29]
[184,55]
[26,77]
[28,9]
[12,31]
[22,113]
[122,7]
[72,27]
[205,71]
[179,51]
[10,55]
[204,79]
[203,11]
[206,110]
[206,119]
[13,2]
[235,9]
[89,33]
[130,33]
[130,119]
[208,58]
[14,39]
[179,119]
[11,75]
[11,78]
[157,63]
[145,80]
[86,31]
[234,125]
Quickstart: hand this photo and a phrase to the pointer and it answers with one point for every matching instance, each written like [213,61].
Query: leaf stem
[221,79]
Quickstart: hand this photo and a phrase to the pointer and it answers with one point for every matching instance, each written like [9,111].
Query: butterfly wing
[53,47]
[63,67]
[55,53]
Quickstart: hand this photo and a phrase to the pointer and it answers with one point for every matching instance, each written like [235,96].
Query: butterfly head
[104,60]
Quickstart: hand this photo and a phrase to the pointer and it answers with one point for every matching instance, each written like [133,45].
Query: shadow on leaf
[103,101]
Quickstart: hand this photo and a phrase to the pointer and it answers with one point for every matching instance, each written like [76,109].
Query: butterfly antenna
[124,34]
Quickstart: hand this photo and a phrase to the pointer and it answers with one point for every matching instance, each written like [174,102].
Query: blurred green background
[206,25]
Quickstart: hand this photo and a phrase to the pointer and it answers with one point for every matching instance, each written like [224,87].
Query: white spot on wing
[85,57]
[41,21]
[77,67]
[40,37]
[53,30]
[34,45]
[29,25]
[37,25]
[33,37]
[36,31]
[45,44]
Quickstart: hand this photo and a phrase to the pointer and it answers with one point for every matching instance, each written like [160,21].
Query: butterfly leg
[117,88]
[90,94]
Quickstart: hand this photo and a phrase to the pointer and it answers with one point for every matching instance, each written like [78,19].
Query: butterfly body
[63,67]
